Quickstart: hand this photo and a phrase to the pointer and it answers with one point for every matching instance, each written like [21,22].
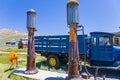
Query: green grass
[12,48]
[6,73]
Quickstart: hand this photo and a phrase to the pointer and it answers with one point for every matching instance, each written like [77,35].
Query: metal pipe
[96,73]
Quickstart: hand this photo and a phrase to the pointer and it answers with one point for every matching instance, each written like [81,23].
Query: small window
[116,41]
[94,41]
[105,40]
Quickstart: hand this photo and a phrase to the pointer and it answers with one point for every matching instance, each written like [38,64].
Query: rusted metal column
[31,65]
[73,21]
[73,55]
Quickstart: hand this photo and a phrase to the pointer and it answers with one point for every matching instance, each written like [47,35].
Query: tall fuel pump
[72,22]
[31,27]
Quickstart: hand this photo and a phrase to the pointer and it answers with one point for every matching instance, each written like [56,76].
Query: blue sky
[95,15]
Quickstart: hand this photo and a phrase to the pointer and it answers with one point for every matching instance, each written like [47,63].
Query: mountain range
[10,35]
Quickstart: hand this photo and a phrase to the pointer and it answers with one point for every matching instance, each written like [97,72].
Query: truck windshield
[104,41]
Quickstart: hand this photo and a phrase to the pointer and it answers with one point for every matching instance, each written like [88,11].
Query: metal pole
[96,73]
[31,65]
[72,21]
[73,55]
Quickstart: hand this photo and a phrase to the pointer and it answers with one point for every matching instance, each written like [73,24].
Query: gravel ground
[109,73]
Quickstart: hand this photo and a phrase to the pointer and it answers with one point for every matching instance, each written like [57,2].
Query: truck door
[101,48]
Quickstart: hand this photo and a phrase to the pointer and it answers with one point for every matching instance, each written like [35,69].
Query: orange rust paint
[72,33]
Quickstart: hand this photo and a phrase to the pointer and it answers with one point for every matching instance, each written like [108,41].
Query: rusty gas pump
[31,22]
[72,22]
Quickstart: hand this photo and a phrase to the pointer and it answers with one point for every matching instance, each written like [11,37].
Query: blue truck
[98,47]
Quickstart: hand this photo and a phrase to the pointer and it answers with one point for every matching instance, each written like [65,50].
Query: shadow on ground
[19,71]
[54,78]
[9,69]
[42,63]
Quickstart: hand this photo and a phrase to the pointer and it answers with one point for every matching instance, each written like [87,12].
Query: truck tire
[53,61]
[64,62]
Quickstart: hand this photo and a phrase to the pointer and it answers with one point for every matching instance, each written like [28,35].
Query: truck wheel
[53,61]
[64,62]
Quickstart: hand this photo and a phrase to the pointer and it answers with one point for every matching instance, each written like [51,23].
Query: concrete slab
[47,75]
[41,75]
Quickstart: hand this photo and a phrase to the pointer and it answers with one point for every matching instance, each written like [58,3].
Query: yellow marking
[52,61]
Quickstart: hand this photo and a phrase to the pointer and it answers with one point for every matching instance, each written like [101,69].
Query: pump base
[31,72]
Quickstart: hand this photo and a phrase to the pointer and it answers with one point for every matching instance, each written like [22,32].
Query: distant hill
[10,35]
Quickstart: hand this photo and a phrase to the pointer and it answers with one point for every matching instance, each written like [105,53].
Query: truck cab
[101,52]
